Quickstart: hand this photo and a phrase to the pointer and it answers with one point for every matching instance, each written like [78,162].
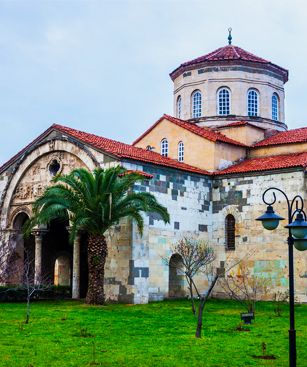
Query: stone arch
[22,252]
[176,277]
[58,147]
[233,210]
[15,214]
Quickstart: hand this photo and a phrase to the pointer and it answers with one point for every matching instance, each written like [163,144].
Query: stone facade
[265,251]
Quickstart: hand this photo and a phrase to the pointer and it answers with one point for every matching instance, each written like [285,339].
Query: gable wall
[244,134]
[198,151]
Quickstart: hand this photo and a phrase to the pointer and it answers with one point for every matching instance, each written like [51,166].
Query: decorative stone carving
[51,144]
[23,192]
[37,190]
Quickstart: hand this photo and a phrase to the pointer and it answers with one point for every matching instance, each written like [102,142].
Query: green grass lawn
[66,333]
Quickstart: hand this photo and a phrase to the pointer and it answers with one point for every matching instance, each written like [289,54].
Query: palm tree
[94,202]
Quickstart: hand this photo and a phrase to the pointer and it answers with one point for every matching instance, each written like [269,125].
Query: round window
[54,167]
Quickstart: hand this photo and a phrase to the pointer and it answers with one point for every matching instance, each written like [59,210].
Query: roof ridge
[235,50]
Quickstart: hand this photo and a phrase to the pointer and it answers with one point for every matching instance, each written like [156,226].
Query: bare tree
[25,271]
[32,287]
[195,256]
[245,287]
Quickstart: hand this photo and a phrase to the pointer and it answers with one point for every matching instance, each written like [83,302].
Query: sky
[103,66]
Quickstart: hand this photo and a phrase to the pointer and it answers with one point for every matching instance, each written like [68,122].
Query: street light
[298,238]
[269,219]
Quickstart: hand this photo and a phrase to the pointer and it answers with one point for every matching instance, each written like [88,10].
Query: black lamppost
[298,238]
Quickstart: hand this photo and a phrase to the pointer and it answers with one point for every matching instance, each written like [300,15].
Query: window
[179,107]
[164,147]
[252,102]
[196,104]
[180,151]
[230,224]
[275,109]
[224,102]
[54,167]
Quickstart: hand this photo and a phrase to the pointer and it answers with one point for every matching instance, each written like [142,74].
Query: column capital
[39,232]
[68,228]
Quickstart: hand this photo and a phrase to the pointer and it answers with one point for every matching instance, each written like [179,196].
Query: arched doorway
[57,253]
[176,277]
[23,252]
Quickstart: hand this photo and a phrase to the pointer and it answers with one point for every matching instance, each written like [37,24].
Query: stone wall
[265,251]
[188,200]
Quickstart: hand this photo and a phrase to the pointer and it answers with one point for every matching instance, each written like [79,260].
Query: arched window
[252,103]
[230,232]
[164,147]
[223,101]
[275,107]
[179,100]
[196,104]
[180,151]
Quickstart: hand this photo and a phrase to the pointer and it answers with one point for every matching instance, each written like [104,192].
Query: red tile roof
[285,137]
[267,164]
[122,150]
[238,124]
[117,149]
[141,173]
[229,53]
[204,132]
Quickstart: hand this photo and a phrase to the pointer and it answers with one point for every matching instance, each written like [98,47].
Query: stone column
[38,234]
[76,269]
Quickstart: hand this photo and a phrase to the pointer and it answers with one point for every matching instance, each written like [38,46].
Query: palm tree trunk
[97,253]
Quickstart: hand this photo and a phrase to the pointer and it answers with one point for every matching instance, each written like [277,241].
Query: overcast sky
[102,66]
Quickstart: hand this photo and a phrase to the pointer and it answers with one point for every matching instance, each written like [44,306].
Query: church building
[209,164]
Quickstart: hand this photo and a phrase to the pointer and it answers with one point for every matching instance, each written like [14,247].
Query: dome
[231,55]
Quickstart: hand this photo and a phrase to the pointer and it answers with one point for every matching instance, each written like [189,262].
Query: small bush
[13,293]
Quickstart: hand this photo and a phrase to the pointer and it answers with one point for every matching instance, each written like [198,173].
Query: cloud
[103,66]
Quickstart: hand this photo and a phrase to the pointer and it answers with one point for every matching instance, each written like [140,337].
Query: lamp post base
[292,348]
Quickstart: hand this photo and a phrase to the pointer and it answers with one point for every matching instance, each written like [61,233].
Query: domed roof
[230,55]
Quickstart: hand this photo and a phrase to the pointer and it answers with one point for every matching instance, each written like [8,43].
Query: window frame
[179,106]
[230,232]
[277,106]
[164,147]
[218,101]
[196,105]
[181,151]
[258,102]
